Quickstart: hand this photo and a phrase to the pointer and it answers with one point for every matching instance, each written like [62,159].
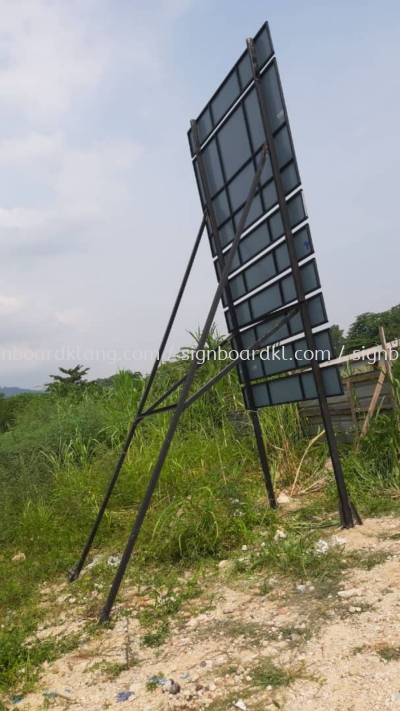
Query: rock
[228,609]
[279,534]
[283,499]
[395,695]
[212,687]
[353,592]
[301,588]
[225,564]
[352,609]
[18,558]
[174,687]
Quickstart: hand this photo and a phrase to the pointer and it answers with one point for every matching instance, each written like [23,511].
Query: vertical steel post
[346,509]
[255,420]
[181,402]
[74,574]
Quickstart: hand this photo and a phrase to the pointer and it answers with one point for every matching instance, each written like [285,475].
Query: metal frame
[180,405]
[243,87]
[346,508]
[225,261]
[74,574]
[183,402]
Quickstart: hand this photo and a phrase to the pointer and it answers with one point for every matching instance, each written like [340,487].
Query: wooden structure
[368,387]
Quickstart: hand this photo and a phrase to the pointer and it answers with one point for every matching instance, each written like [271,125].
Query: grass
[270,674]
[366,562]
[19,659]
[109,670]
[386,652]
[56,457]
[389,653]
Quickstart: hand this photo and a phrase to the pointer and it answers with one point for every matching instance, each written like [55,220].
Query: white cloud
[80,185]
[47,55]
[70,317]
[21,218]
[10,304]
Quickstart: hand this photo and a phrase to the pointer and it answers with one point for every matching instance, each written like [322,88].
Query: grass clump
[20,659]
[269,674]
[389,653]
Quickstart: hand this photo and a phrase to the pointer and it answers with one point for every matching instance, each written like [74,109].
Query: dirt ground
[240,645]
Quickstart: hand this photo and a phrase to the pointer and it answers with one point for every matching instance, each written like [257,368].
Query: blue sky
[98,204]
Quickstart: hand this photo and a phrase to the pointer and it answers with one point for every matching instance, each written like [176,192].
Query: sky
[98,203]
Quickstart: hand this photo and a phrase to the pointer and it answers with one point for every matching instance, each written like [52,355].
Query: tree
[72,381]
[338,339]
[364,332]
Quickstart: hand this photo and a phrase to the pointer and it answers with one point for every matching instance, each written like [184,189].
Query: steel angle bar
[152,409]
[222,259]
[105,614]
[345,508]
[234,362]
[74,574]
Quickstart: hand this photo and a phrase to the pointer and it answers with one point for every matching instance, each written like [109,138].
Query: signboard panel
[273,261]
[230,159]
[292,355]
[295,388]
[266,232]
[237,81]
[274,296]
[293,327]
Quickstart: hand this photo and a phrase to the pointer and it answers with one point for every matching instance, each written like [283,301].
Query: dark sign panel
[295,388]
[237,81]
[292,355]
[226,143]
[274,296]
[293,327]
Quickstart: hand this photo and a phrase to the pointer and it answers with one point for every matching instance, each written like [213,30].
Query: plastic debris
[283,499]
[124,696]
[17,699]
[185,676]
[322,546]
[337,541]
[241,705]
[114,561]
[156,680]
[301,588]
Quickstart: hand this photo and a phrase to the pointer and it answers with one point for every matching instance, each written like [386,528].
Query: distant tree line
[364,331]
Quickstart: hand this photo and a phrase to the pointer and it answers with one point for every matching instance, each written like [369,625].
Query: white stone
[353,592]
[241,705]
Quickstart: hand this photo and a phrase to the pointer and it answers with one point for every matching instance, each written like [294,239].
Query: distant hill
[9,392]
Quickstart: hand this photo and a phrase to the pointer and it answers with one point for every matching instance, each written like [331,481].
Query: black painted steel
[229,300]
[74,574]
[346,510]
[180,405]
